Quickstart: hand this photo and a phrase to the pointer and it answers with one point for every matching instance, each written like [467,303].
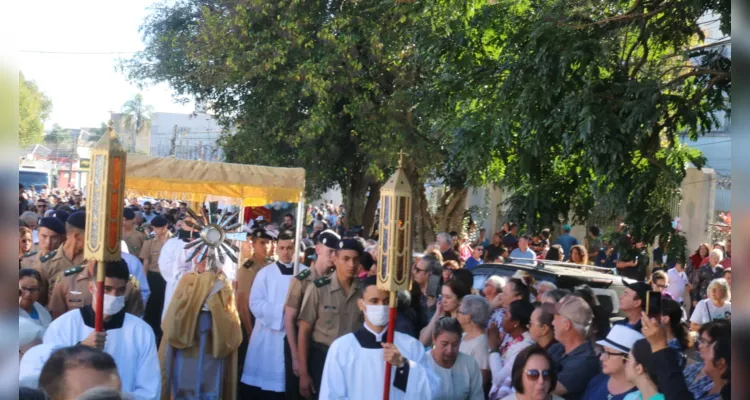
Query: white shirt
[677,282]
[264,362]
[44,317]
[502,367]
[171,266]
[477,348]
[461,382]
[135,266]
[132,345]
[355,369]
[705,311]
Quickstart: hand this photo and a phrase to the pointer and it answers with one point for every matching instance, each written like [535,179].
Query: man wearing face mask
[329,311]
[172,260]
[128,339]
[266,380]
[328,242]
[355,364]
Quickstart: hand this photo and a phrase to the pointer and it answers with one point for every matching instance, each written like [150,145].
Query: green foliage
[57,136]
[34,108]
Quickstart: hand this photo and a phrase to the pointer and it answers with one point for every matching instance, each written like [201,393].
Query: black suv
[606,285]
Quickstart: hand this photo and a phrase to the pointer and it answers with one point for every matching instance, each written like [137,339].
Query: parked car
[606,285]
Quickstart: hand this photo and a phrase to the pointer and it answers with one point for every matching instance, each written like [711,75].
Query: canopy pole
[298,233]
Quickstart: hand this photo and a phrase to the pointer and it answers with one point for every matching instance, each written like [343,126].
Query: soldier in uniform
[72,291]
[68,255]
[132,235]
[51,235]
[328,242]
[261,257]
[329,311]
[150,256]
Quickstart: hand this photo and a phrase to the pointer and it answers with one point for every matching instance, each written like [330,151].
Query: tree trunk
[371,205]
[450,213]
[354,199]
[423,226]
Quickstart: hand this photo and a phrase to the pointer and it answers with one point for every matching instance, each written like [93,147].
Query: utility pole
[173,142]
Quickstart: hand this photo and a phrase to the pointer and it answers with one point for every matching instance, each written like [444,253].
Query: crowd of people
[315,327]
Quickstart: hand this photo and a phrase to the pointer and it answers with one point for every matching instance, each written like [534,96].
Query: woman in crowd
[639,371]
[25,241]
[458,373]
[717,370]
[502,354]
[472,316]
[579,255]
[464,250]
[29,284]
[452,294]
[659,282]
[492,288]
[728,276]
[706,274]
[534,375]
[697,376]
[448,268]
[541,330]
[530,283]
[678,336]
[555,253]
[696,260]
[717,306]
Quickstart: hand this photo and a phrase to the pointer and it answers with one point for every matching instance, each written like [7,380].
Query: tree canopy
[34,108]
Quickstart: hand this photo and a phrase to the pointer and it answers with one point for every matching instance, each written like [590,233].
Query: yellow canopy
[192,180]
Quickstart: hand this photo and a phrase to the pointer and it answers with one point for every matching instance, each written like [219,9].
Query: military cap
[351,244]
[62,215]
[260,233]
[128,214]
[53,224]
[77,219]
[159,221]
[329,238]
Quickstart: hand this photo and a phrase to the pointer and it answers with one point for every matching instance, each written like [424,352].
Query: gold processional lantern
[104,205]
[394,244]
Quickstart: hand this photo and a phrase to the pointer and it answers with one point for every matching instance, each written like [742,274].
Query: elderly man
[523,254]
[445,244]
[577,362]
[492,289]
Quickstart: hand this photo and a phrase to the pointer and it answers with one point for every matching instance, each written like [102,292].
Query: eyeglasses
[29,289]
[608,354]
[661,286]
[534,374]
[420,270]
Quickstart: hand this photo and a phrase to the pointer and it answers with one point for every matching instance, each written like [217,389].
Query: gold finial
[401,158]
[111,124]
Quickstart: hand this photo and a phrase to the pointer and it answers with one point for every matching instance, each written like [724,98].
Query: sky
[84,88]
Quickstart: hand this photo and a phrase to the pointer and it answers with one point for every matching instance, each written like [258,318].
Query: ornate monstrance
[216,237]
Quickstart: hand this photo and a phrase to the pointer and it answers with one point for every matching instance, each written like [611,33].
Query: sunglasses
[610,354]
[534,374]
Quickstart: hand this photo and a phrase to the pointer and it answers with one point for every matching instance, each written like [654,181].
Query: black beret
[128,213]
[78,219]
[260,233]
[329,238]
[54,224]
[159,221]
[351,244]
[62,215]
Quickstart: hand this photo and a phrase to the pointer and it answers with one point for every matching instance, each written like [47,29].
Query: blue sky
[83,87]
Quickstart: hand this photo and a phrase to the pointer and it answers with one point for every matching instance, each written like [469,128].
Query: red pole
[99,312]
[391,329]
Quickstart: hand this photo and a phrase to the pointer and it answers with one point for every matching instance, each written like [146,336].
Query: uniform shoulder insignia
[248,264]
[303,275]
[31,254]
[149,237]
[48,256]
[320,282]
[134,281]
[139,229]
[72,271]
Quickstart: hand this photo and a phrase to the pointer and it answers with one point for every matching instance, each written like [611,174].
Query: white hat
[621,338]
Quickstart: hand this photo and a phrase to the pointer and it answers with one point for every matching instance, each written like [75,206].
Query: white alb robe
[171,266]
[355,368]
[130,341]
[135,266]
[264,362]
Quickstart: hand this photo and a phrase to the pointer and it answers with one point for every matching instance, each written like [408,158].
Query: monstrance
[216,237]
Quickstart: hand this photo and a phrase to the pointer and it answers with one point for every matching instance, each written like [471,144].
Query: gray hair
[723,286]
[447,325]
[477,307]
[445,237]
[497,282]
[549,285]
[404,298]
[716,253]
[319,224]
[29,217]
[432,264]
[104,393]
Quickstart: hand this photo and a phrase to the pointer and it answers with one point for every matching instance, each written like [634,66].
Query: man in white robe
[355,364]
[127,338]
[172,263]
[263,373]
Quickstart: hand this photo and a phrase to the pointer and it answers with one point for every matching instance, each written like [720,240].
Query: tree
[57,136]
[97,133]
[137,116]
[582,103]
[33,109]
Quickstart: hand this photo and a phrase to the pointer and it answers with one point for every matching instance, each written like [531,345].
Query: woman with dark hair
[534,375]
[516,326]
[555,253]
[639,371]
[696,260]
[678,337]
[697,375]
[717,370]
[458,373]
[452,293]
[29,285]
[600,322]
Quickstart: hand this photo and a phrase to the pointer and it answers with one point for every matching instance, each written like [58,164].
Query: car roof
[555,268]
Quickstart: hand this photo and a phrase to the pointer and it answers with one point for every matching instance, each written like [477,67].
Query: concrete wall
[697,206]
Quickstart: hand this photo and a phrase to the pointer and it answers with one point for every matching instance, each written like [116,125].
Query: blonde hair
[722,285]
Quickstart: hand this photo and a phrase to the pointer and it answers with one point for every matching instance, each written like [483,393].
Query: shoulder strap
[708,311]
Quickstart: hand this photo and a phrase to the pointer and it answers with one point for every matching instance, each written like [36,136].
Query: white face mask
[377,315]
[113,304]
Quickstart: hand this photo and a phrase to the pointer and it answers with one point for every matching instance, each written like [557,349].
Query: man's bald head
[71,371]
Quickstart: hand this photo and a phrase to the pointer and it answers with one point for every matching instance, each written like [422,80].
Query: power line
[86,53]
[708,144]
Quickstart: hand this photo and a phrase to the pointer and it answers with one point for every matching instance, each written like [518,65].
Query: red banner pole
[389,339]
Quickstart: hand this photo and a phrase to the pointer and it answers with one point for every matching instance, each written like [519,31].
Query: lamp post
[105,195]
[394,248]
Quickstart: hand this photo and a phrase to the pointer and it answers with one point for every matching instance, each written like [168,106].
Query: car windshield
[33,178]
